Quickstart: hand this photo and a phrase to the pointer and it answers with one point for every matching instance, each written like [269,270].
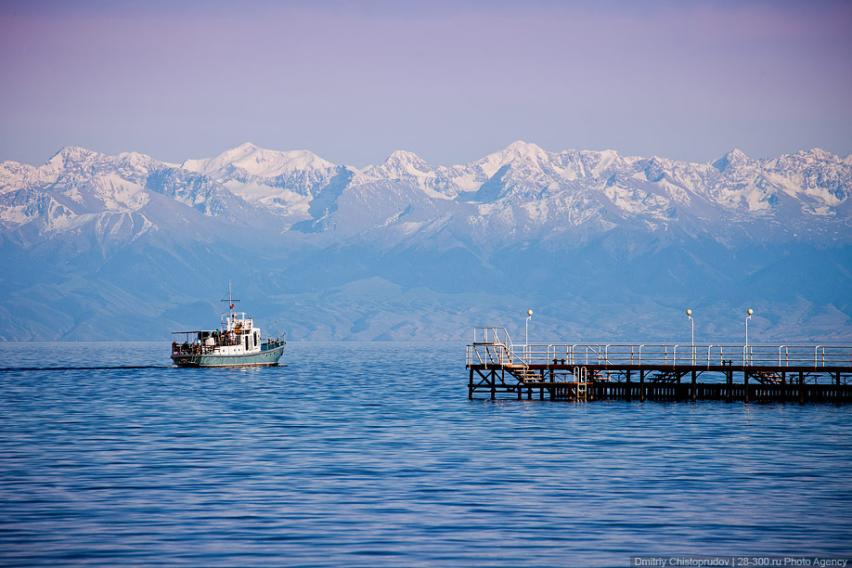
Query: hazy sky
[451,81]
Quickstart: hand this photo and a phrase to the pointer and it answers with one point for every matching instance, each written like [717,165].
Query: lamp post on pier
[527,334]
[692,328]
[746,356]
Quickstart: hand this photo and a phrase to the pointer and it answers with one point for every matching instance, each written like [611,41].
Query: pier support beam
[552,389]
[745,386]
[694,385]
[801,387]
[642,385]
[729,383]
[470,386]
[627,393]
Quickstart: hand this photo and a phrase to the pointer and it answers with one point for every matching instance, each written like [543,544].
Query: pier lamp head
[749,312]
[529,313]
[689,312]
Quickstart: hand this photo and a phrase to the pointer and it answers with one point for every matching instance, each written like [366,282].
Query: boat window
[247,337]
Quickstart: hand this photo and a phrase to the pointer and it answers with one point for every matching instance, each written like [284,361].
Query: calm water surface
[371,454]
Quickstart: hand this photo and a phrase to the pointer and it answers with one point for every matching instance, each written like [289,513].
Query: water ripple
[370,454]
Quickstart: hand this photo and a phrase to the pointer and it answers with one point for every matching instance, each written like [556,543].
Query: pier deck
[657,371]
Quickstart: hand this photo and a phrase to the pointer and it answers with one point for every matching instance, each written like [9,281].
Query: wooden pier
[657,371]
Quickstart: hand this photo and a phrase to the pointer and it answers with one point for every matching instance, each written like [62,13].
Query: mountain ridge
[521,181]
[128,246]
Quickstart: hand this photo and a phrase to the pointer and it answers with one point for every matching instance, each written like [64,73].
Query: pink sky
[448,80]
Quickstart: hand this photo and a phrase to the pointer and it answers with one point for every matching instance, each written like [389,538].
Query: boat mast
[231,303]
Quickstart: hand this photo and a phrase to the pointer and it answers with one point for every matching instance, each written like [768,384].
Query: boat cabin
[237,336]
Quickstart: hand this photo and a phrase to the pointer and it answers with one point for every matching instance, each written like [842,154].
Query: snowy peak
[733,159]
[400,164]
[252,160]
[406,158]
[518,154]
[520,151]
[595,163]
[736,155]
[821,155]
[74,153]
[521,189]
[245,148]
[406,168]
[71,156]
[655,169]
[523,148]
[77,159]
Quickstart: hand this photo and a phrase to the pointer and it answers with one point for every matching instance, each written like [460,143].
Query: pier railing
[493,346]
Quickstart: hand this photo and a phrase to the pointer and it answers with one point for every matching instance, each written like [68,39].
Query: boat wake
[77,368]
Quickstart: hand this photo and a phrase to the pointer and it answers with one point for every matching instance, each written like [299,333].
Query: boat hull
[266,358]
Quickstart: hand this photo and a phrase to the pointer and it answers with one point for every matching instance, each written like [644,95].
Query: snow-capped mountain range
[126,246]
[519,192]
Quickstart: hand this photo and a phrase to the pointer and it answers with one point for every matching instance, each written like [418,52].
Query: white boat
[238,343]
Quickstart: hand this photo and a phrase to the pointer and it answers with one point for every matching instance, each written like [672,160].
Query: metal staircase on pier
[524,374]
[501,351]
[668,377]
[768,377]
[498,364]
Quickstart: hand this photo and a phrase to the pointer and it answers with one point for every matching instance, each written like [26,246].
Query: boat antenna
[231,301]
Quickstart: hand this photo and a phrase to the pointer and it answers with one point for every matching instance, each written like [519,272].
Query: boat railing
[272,343]
[192,348]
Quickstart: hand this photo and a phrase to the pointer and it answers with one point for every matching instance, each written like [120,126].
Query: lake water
[371,454]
